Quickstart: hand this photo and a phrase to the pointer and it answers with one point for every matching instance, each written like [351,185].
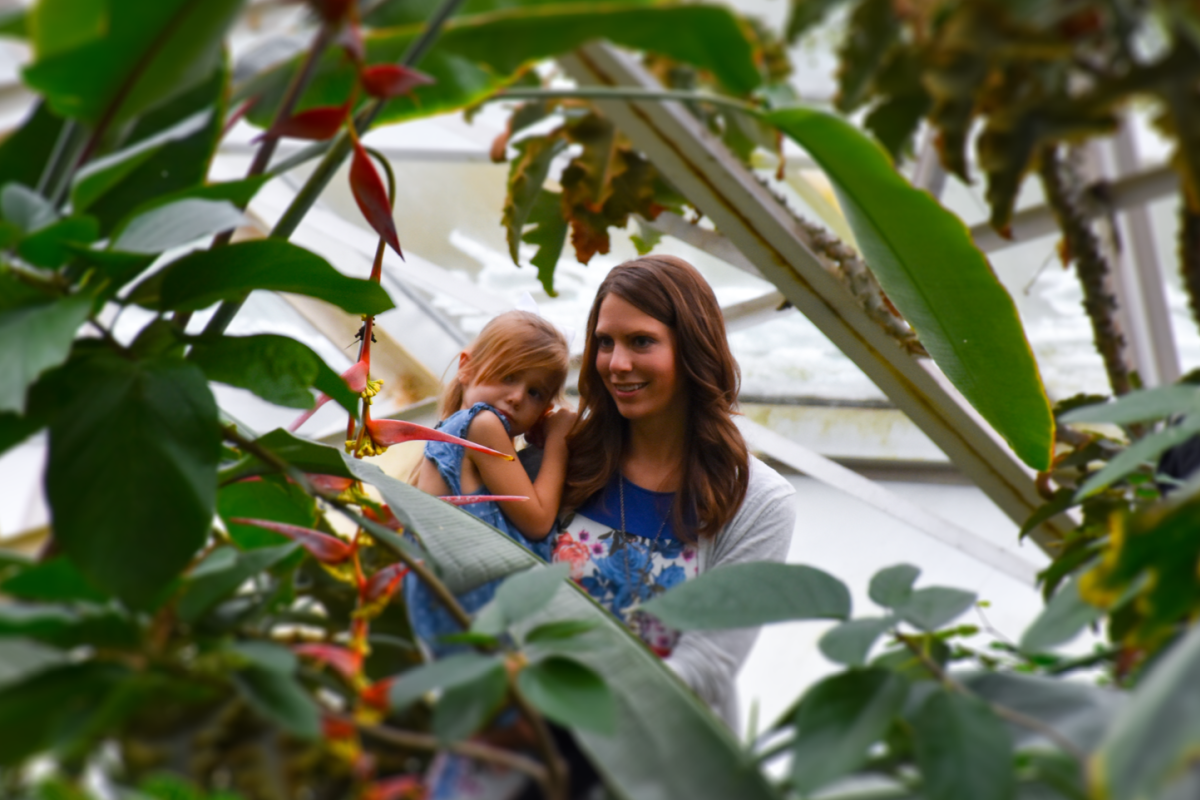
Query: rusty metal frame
[767,234]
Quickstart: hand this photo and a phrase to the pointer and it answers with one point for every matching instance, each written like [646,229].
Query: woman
[659,479]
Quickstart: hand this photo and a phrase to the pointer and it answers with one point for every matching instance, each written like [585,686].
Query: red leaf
[388,432]
[391,80]
[376,695]
[469,499]
[387,519]
[372,198]
[344,661]
[384,582]
[330,483]
[336,728]
[400,787]
[355,378]
[324,548]
[315,123]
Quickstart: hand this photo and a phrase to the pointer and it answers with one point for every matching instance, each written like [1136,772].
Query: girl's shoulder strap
[471,413]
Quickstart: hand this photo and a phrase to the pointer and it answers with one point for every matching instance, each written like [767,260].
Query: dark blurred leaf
[301,453]
[807,13]
[100,176]
[891,586]
[203,278]
[870,32]
[34,339]
[372,198]
[570,694]
[22,658]
[25,208]
[278,369]
[51,246]
[1079,710]
[68,627]
[25,151]
[443,674]
[201,592]
[1060,621]
[1146,450]
[131,478]
[269,656]
[464,707]
[179,223]
[962,749]
[557,631]
[272,497]
[239,193]
[838,720]
[850,642]
[281,699]
[56,580]
[930,609]
[746,595]
[182,164]
[146,55]
[41,711]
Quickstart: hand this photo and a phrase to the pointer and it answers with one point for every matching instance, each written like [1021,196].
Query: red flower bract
[376,695]
[323,547]
[390,80]
[315,123]
[470,499]
[355,378]
[387,519]
[372,198]
[388,432]
[384,582]
[400,787]
[343,660]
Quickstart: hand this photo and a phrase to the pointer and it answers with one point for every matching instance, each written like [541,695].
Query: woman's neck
[654,453]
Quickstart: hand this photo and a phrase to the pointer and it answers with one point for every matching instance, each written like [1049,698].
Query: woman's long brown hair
[716,461]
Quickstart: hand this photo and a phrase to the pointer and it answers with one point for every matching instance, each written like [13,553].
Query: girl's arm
[533,517]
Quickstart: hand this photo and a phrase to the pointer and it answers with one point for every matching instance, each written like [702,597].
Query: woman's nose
[619,362]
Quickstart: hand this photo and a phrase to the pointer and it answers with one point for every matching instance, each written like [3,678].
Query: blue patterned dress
[430,620]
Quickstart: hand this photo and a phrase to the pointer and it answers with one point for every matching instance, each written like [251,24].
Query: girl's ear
[464,367]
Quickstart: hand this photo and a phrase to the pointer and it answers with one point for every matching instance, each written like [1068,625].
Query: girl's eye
[535,393]
[509,378]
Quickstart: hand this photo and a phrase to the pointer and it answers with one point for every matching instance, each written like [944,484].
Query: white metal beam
[700,166]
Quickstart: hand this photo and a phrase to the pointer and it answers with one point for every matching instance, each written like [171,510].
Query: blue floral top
[623,569]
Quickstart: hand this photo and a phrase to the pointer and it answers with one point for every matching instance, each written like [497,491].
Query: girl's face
[521,396]
[635,357]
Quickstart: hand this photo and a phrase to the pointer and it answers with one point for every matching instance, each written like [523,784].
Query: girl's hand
[559,423]
[536,435]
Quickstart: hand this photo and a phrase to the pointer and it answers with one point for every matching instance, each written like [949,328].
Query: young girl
[507,382]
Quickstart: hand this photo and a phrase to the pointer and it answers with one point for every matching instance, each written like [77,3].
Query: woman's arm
[533,517]
[708,661]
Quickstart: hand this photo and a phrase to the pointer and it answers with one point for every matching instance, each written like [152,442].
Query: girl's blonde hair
[513,341]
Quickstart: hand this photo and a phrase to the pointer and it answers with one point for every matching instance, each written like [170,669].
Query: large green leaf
[46,708]
[850,642]
[84,624]
[931,608]
[464,708]
[206,589]
[278,369]
[137,55]
[744,595]
[476,55]
[55,580]
[1144,451]
[570,694]
[34,339]
[444,674]
[279,698]
[963,749]
[272,497]
[838,719]
[891,586]
[303,454]
[1157,733]
[163,227]
[659,721]
[205,277]
[519,596]
[948,292]
[21,658]
[132,476]
[1141,406]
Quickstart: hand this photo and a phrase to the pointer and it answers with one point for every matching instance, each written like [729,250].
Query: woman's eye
[642,341]
[604,342]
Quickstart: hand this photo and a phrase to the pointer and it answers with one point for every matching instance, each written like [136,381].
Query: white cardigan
[708,661]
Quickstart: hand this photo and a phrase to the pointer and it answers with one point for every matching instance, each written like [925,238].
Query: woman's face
[635,356]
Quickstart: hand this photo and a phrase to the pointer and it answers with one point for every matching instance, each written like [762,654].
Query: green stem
[335,155]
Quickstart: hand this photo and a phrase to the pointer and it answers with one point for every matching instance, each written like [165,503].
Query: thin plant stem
[1004,712]
[334,156]
[475,750]
[557,781]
